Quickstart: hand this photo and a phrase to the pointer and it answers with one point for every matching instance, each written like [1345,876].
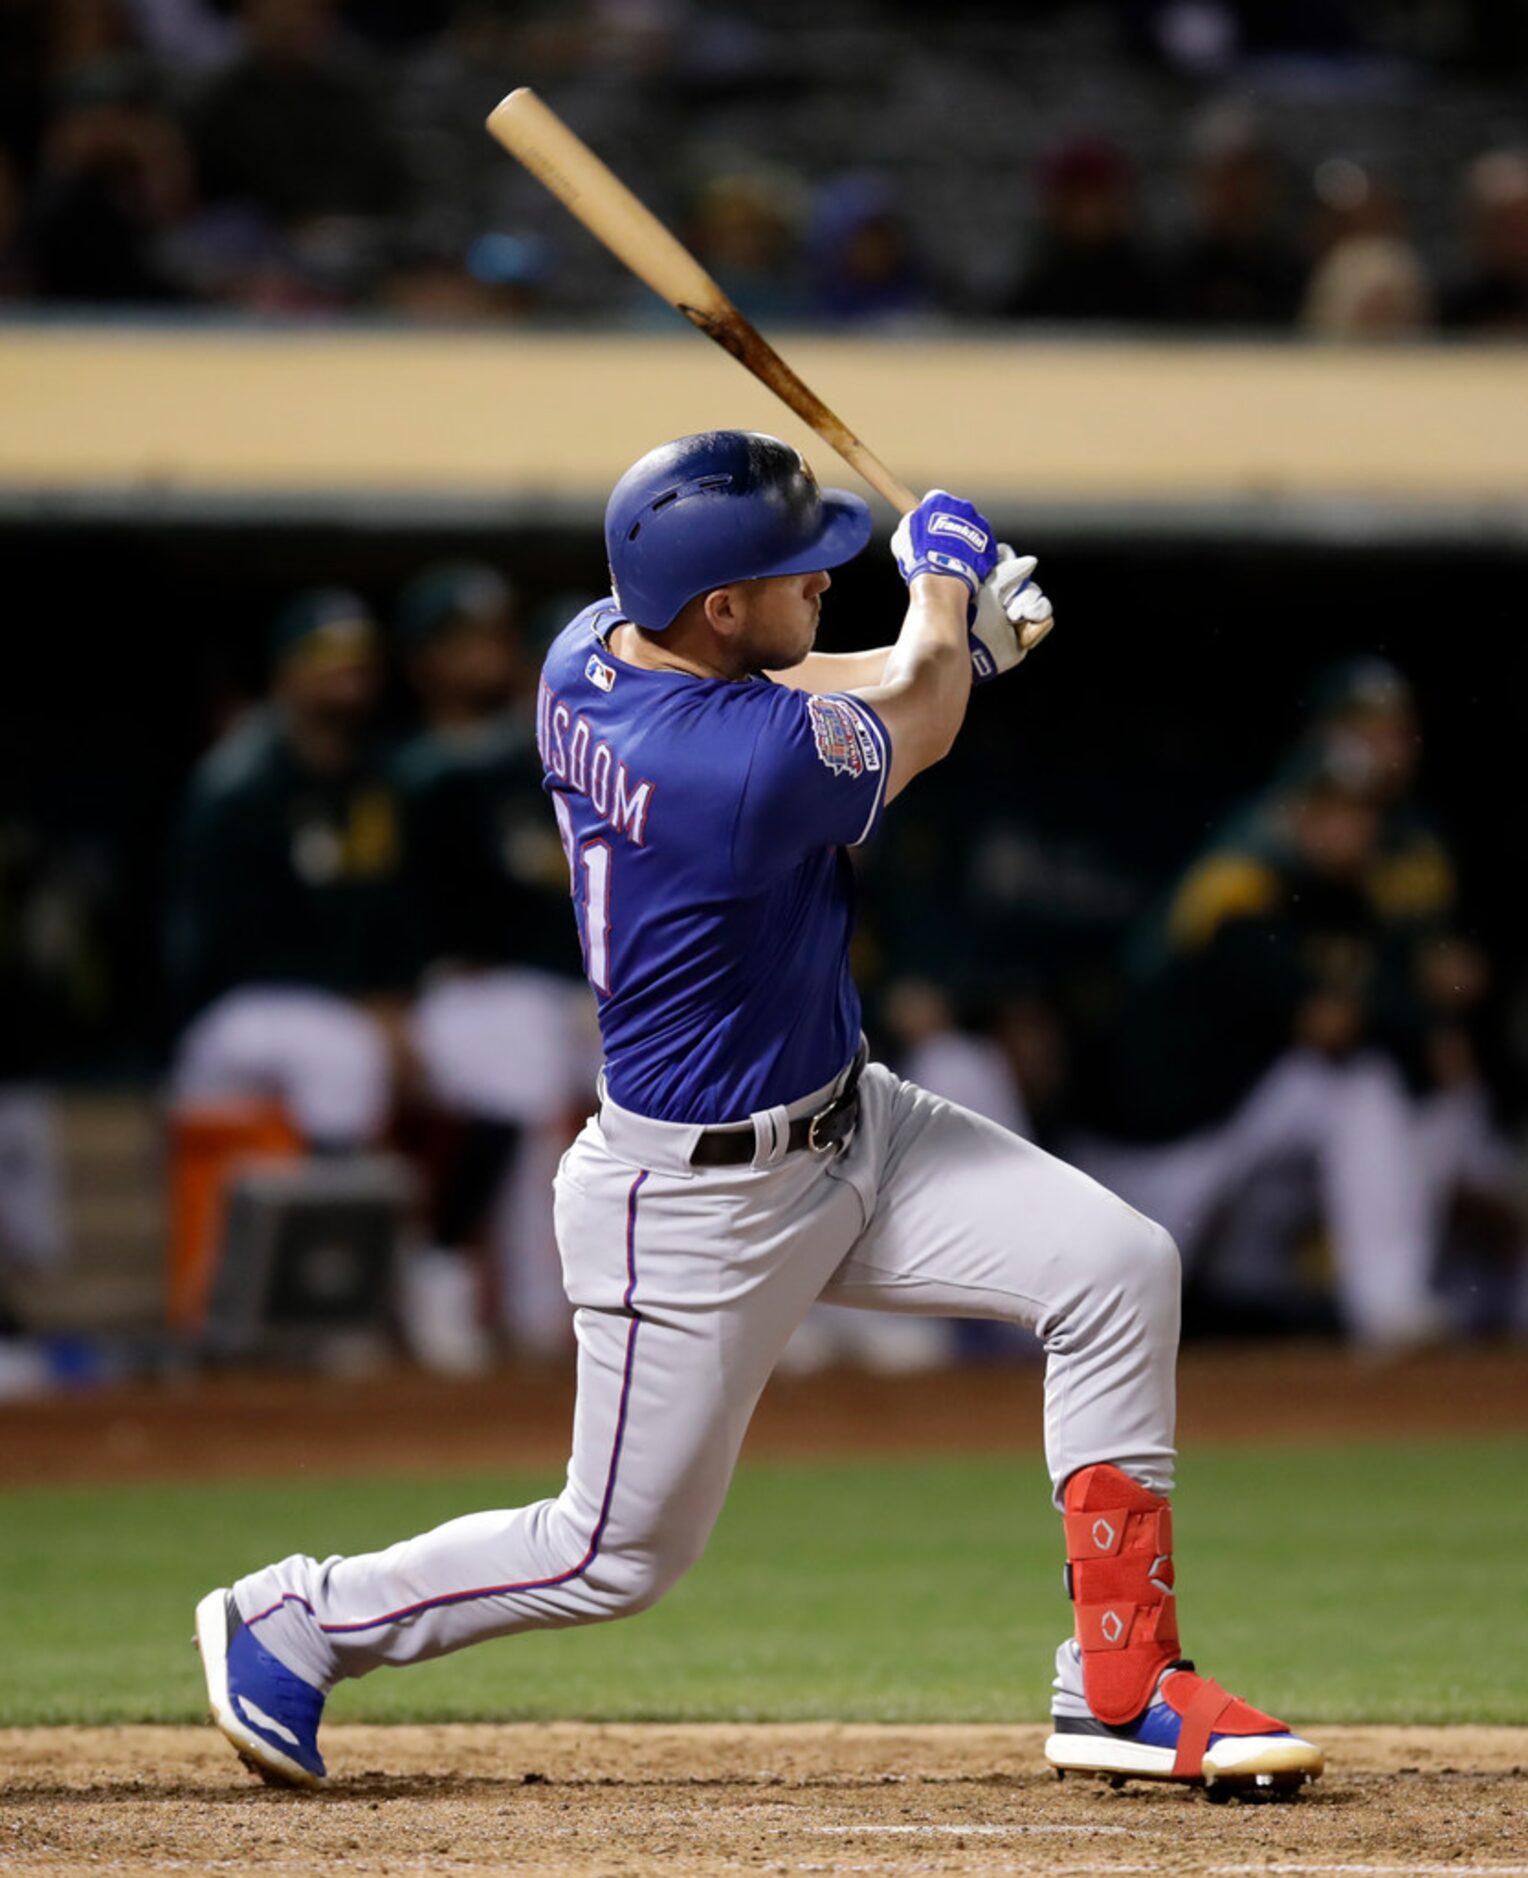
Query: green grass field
[1373,1583]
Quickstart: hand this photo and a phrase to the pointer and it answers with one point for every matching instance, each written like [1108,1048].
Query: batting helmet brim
[846,528]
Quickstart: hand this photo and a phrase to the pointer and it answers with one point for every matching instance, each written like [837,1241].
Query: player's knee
[634,1580]
[1159,1271]
[1143,1264]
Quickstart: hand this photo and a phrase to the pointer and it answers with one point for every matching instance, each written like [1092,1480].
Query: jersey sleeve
[816,779]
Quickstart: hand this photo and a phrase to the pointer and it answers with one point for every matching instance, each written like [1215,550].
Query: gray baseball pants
[686,1285]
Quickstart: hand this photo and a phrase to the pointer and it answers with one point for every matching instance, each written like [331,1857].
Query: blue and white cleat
[269,1715]
[1192,1732]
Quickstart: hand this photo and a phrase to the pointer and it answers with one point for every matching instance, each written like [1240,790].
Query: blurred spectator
[495,277]
[1249,1037]
[1434,979]
[114,179]
[1088,262]
[1492,297]
[499,1025]
[290,128]
[1309,993]
[1369,287]
[1365,707]
[862,265]
[1431,998]
[741,232]
[288,944]
[487,865]
[1368,281]
[1237,268]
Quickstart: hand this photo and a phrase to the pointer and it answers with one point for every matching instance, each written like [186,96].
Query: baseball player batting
[709,772]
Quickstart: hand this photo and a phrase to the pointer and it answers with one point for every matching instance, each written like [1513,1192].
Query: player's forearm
[926,682]
[836,671]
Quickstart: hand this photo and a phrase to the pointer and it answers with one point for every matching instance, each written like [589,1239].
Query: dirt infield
[239,1425]
[630,1800]
[620,1801]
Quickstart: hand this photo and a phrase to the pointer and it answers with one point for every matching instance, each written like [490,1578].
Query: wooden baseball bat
[535,134]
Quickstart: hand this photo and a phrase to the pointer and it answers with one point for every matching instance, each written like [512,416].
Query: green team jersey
[487,874]
[283,875]
[1248,934]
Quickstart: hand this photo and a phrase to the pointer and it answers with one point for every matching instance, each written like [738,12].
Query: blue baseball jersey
[706,823]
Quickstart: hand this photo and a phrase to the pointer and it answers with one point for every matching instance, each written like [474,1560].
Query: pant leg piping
[575,1571]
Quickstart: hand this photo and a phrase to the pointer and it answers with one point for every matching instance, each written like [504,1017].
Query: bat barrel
[590,191]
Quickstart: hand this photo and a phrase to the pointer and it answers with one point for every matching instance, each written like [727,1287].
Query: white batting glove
[1012,616]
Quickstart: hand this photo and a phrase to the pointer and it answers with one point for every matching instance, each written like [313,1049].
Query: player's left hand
[1012,616]
[945,535]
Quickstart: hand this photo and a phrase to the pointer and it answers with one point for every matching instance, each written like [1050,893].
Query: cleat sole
[1275,1770]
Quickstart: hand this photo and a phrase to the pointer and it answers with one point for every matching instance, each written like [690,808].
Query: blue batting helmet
[725,505]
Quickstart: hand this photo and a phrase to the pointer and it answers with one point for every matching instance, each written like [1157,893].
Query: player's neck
[675,652]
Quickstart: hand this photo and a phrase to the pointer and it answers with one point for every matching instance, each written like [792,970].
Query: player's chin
[798,649]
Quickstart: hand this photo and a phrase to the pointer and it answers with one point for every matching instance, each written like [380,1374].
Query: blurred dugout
[504,1036]
[320,881]
[1306,996]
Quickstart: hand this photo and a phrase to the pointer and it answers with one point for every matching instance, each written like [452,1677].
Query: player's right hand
[944,535]
[1011,617]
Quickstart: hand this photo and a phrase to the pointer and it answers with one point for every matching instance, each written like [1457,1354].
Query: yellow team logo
[371,838]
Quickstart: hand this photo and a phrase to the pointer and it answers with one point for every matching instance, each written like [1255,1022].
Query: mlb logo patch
[598,673]
[843,742]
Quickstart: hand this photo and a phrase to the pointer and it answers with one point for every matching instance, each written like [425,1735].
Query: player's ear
[723,611]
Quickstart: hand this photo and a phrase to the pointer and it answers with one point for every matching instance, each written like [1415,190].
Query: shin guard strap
[1208,1704]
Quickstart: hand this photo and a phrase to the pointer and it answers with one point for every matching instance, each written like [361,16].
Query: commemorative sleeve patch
[844,740]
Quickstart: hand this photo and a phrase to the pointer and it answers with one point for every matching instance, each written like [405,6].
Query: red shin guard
[1119,1552]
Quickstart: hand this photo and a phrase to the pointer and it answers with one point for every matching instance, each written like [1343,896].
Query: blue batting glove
[944,535]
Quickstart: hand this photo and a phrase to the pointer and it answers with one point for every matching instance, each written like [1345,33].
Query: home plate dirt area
[634,1799]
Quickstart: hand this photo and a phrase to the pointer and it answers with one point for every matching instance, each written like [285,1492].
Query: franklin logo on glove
[964,551]
[941,523]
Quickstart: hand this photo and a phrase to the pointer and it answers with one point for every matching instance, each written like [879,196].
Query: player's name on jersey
[587,763]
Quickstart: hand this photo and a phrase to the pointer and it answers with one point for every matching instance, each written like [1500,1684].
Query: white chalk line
[1451,1870]
[1296,1871]
[986,1832]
